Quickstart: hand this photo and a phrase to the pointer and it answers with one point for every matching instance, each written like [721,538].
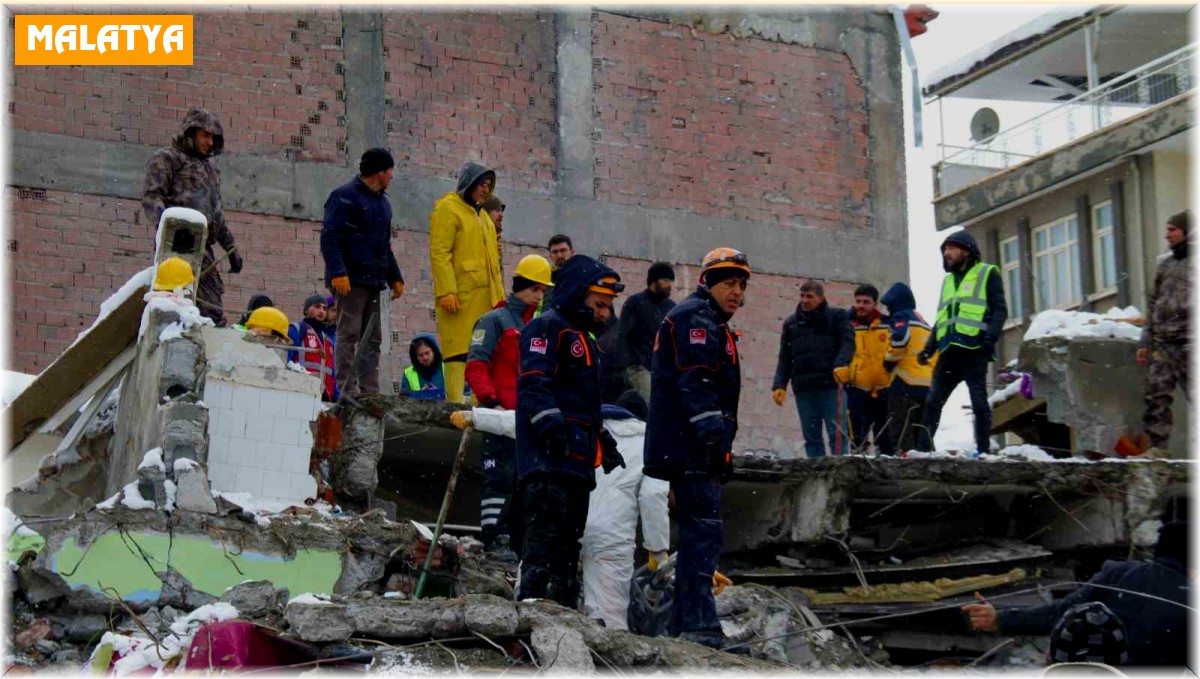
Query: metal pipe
[446,500]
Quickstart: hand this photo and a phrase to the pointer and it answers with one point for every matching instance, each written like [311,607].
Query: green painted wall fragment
[19,544]
[120,561]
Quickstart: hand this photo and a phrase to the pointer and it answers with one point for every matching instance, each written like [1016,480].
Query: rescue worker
[184,175]
[316,349]
[609,538]
[910,379]
[970,319]
[464,257]
[424,378]
[815,341]
[256,302]
[1166,336]
[696,383]
[561,249]
[356,244]
[560,437]
[267,324]
[866,378]
[172,274]
[640,317]
[492,375]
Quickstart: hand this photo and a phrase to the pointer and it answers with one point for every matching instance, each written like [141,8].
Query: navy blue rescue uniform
[558,434]
[695,386]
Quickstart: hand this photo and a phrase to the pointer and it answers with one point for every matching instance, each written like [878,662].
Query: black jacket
[640,318]
[1158,631]
[356,237]
[811,345]
[695,384]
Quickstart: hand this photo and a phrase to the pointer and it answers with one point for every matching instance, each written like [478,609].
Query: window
[1010,267]
[1105,245]
[1056,264]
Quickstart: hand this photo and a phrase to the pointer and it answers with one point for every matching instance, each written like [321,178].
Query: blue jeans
[701,536]
[818,410]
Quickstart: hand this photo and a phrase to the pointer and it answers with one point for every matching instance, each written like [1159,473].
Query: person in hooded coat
[560,437]
[465,262]
[910,379]
[184,175]
[970,320]
[423,378]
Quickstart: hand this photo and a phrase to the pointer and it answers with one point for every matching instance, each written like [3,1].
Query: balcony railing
[1151,84]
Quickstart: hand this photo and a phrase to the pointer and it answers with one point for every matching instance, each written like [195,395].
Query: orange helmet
[608,285]
[724,258]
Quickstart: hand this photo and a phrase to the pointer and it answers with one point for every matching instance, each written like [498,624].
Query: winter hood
[899,297]
[425,373]
[571,284]
[204,120]
[966,240]
[468,175]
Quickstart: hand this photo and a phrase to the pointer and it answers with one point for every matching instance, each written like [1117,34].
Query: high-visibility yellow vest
[962,307]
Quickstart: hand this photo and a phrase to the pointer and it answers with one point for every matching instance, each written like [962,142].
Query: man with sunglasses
[561,439]
[695,385]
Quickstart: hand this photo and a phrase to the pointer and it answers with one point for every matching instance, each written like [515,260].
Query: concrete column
[576,149]
[1117,194]
[362,50]
[1087,265]
[1025,245]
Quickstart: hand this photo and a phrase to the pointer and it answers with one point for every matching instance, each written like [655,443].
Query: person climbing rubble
[424,377]
[356,244]
[465,262]
[1166,338]
[694,391]
[492,375]
[184,175]
[316,348]
[560,437]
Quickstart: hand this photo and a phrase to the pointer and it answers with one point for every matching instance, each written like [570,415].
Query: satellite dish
[984,124]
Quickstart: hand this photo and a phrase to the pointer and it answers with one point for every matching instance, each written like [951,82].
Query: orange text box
[103,40]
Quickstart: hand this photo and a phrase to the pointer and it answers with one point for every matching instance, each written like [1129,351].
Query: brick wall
[737,128]
[473,85]
[272,77]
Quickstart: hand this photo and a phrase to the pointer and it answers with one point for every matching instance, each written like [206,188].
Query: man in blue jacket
[356,244]
[695,386]
[560,434]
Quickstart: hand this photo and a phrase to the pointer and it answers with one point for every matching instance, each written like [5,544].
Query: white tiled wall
[259,440]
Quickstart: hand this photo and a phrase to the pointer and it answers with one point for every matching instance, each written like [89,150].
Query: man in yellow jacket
[464,257]
[865,378]
[910,377]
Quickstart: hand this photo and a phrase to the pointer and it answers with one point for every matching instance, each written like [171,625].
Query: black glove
[556,442]
[923,358]
[235,262]
[610,459]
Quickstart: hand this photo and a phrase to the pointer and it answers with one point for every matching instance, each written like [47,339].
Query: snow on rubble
[153,459]
[144,278]
[186,214]
[139,653]
[188,312]
[1115,323]
[13,384]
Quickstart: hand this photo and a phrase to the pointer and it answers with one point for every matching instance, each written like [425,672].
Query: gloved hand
[657,559]
[610,458]
[449,303]
[779,395]
[556,441]
[340,285]
[923,358]
[235,262]
[397,289]
[461,419]
[842,374]
[720,582]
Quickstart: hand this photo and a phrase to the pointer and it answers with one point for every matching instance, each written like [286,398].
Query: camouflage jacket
[178,176]
[1168,304]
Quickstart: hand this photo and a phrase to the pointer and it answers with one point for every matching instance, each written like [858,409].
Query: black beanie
[520,283]
[373,161]
[715,276]
[312,299]
[658,271]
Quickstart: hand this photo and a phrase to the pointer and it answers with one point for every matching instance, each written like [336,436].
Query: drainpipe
[1137,236]
[906,42]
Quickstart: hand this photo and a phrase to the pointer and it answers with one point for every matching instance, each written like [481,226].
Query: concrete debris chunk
[177,591]
[561,650]
[193,492]
[318,623]
[256,599]
[491,616]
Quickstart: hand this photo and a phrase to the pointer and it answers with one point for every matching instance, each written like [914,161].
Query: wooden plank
[115,367]
[75,368]
[89,413]
[1004,414]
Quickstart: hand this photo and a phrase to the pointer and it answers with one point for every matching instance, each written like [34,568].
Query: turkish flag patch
[538,345]
[577,349]
[698,336]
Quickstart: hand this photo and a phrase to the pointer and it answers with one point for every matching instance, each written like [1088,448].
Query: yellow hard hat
[722,258]
[270,318]
[173,273]
[535,268]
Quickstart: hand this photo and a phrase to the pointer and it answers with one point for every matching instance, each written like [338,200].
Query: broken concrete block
[40,585]
[182,363]
[392,619]
[319,622]
[356,474]
[491,616]
[256,599]
[192,491]
[359,569]
[183,426]
[177,591]
[561,649]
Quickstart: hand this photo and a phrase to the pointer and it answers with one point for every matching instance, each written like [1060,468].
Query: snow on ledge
[309,598]
[144,278]
[186,214]
[153,458]
[1115,323]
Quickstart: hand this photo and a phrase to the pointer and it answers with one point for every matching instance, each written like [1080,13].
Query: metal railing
[1149,85]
